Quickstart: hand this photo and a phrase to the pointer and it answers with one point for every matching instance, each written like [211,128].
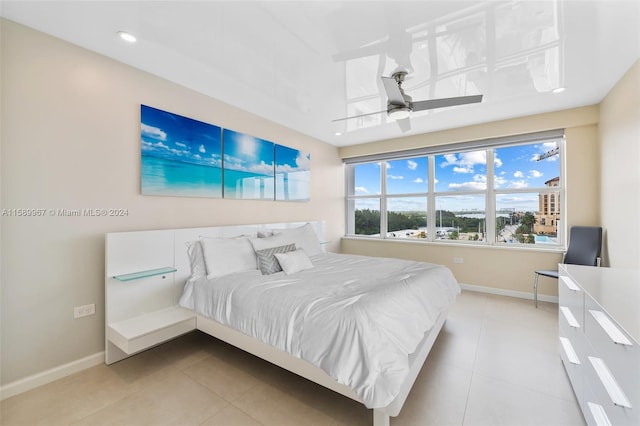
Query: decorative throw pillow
[267,262]
[294,261]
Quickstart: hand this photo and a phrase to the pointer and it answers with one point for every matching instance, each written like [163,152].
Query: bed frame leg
[380,418]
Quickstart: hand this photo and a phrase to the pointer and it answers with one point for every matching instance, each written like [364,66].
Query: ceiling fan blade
[446,102]
[394,95]
[358,116]
[405,124]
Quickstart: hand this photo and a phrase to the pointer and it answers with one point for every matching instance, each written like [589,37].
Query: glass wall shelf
[145,274]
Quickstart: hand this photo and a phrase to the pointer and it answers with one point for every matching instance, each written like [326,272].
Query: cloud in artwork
[152,132]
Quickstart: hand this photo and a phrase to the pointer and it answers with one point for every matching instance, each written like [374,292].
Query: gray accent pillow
[267,262]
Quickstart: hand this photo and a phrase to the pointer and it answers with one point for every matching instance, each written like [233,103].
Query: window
[501,191]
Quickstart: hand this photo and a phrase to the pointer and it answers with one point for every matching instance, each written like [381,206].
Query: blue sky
[247,153]
[179,138]
[514,168]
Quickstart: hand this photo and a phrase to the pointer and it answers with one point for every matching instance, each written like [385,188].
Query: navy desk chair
[584,249]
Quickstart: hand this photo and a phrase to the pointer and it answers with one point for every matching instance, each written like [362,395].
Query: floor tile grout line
[473,367]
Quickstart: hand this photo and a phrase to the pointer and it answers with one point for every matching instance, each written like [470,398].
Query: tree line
[367,222]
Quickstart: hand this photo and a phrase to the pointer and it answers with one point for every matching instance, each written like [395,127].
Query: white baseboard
[48,376]
[510,293]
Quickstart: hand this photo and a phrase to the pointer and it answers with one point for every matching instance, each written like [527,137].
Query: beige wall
[71,139]
[620,163]
[502,268]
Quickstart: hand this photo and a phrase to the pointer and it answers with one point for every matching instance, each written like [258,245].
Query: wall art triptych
[185,157]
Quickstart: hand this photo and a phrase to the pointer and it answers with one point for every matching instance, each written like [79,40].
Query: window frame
[491,193]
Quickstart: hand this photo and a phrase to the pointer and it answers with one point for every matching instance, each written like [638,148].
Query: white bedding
[357,318]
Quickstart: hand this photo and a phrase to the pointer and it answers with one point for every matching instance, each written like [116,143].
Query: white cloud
[465,161]
[180,144]
[160,145]
[412,165]
[418,180]
[153,132]
[395,177]
[466,169]
[361,190]
[497,162]
[518,184]
[499,181]
[202,149]
[535,174]
[518,174]
[479,182]
[449,160]
[303,161]
[262,168]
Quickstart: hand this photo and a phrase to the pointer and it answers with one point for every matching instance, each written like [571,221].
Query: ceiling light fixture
[400,113]
[558,90]
[127,37]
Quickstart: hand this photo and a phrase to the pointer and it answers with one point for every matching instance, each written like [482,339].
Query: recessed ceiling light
[127,37]
[558,90]
[338,133]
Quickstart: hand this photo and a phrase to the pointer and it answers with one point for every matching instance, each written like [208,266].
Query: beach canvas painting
[180,156]
[293,174]
[248,166]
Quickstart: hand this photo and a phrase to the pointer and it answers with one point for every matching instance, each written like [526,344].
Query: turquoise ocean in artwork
[169,177]
[246,185]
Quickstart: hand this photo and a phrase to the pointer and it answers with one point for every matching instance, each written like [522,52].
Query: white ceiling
[305,63]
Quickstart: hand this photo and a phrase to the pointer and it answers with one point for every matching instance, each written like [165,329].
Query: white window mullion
[350,208]
[383,199]
[490,207]
[431,199]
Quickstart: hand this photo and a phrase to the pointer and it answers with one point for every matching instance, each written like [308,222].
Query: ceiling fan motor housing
[396,110]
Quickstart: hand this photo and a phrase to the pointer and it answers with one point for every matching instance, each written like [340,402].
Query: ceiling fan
[400,105]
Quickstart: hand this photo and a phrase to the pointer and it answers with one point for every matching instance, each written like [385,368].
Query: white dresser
[599,324]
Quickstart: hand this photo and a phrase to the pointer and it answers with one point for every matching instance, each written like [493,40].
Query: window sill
[531,247]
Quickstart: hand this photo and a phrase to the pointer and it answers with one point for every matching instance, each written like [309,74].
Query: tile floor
[495,363]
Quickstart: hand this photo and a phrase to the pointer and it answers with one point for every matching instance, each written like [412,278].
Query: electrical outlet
[458,260]
[84,310]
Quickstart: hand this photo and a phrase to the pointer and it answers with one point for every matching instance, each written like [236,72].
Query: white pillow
[294,261]
[196,259]
[224,256]
[304,237]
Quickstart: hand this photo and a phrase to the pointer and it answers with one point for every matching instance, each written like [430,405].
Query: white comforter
[357,318]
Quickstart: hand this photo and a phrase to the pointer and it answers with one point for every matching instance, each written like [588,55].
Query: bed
[358,325]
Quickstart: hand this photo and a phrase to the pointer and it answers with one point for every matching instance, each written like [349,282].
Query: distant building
[548,210]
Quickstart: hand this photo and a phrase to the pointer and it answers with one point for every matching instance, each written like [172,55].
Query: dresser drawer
[601,387]
[613,345]
[571,297]
[573,364]
[594,412]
